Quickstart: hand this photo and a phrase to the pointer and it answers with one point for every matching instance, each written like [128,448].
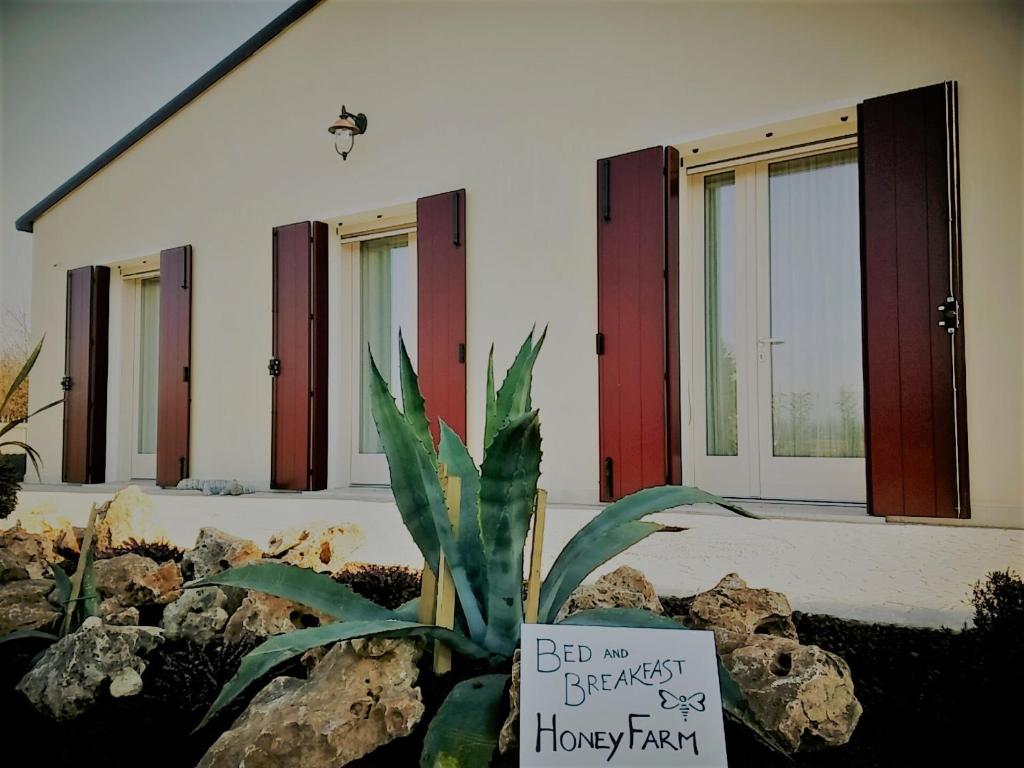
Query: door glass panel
[720,312]
[815,340]
[385,274]
[149,361]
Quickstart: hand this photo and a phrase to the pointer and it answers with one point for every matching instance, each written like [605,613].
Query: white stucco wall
[515,103]
[869,570]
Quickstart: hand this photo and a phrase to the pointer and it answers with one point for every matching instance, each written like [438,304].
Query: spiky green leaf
[601,548]
[280,648]
[28,634]
[464,732]
[514,398]
[491,402]
[508,487]
[455,456]
[412,401]
[301,585]
[21,375]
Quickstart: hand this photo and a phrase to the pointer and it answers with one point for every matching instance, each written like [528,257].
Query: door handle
[770,340]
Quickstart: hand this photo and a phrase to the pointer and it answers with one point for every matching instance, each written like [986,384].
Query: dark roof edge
[291,14]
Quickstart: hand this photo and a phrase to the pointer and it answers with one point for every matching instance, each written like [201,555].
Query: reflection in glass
[720,314]
[383,262]
[817,386]
[149,362]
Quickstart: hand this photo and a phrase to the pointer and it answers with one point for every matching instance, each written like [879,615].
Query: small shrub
[10,482]
[999,605]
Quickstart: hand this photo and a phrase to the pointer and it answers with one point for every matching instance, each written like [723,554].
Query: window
[778,350]
[147,370]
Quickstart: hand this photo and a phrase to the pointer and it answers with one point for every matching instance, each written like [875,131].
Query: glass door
[777,395]
[147,363]
[385,303]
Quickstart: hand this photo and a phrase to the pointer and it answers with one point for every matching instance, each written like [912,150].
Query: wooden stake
[446,598]
[76,580]
[428,583]
[536,550]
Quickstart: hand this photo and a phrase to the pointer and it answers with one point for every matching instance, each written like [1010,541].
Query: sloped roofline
[293,13]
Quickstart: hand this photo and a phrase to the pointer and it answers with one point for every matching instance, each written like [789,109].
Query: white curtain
[149,362]
[720,313]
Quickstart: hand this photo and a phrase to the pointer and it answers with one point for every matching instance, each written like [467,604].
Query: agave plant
[484,553]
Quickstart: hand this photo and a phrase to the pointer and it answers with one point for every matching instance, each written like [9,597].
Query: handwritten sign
[617,696]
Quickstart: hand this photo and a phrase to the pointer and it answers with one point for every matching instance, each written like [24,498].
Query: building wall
[515,103]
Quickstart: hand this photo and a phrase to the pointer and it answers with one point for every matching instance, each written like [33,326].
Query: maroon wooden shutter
[638,320]
[175,381]
[915,404]
[441,308]
[298,459]
[85,375]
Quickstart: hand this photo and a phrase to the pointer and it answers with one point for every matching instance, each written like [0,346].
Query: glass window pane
[378,331]
[149,362]
[817,385]
[720,313]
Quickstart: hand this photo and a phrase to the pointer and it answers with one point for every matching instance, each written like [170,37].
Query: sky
[75,76]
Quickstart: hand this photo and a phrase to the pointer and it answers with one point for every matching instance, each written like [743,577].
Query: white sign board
[598,696]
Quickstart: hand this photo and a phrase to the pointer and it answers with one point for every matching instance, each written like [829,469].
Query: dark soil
[931,697]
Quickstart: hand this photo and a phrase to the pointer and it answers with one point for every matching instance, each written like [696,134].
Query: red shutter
[174,386]
[910,242]
[638,319]
[299,412]
[441,308]
[85,375]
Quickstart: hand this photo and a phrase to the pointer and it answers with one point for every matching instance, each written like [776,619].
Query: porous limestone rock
[262,615]
[133,580]
[801,694]
[624,587]
[198,615]
[358,698]
[25,555]
[320,546]
[75,670]
[45,521]
[508,737]
[127,520]
[733,611]
[23,605]
[216,551]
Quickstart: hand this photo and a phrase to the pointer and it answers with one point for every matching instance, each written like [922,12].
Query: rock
[801,694]
[127,520]
[133,580]
[25,555]
[734,611]
[74,671]
[198,615]
[215,487]
[216,551]
[624,587]
[127,682]
[23,605]
[262,615]
[45,521]
[508,737]
[112,612]
[358,698]
[320,546]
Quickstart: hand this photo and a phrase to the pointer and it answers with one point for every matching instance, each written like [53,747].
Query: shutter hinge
[599,343]
[456,220]
[949,315]
[606,183]
[609,477]
[274,366]
[185,373]
[65,383]
[462,353]
[181,467]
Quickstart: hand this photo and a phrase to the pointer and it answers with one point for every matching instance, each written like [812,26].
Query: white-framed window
[382,290]
[777,387]
[144,354]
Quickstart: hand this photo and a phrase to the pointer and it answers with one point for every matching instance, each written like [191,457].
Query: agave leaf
[280,648]
[90,599]
[632,507]
[456,458]
[491,404]
[734,703]
[27,634]
[513,399]
[409,610]
[62,584]
[508,486]
[418,495]
[302,585]
[412,401]
[464,732]
[601,548]
[22,375]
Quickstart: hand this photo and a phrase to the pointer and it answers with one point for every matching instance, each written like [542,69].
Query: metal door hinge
[185,373]
[949,315]
[65,383]
[462,353]
[274,366]
[599,343]
[609,477]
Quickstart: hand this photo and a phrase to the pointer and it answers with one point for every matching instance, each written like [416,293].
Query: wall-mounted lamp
[349,125]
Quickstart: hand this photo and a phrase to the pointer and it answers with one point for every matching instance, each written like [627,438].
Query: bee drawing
[685,704]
